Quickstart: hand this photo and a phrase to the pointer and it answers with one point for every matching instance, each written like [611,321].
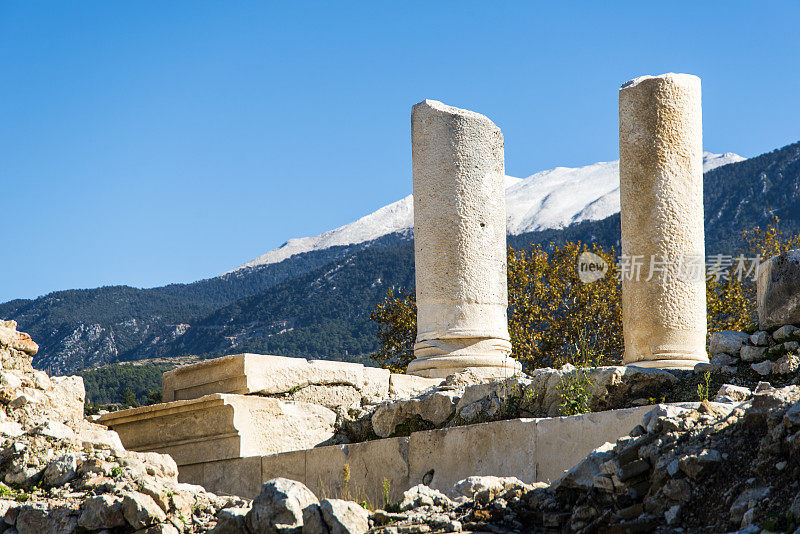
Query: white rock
[279,506]
[422,495]
[651,418]
[584,473]
[54,429]
[41,380]
[61,470]
[472,485]
[344,517]
[436,408]
[407,386]
[141,510]
[8,379]
[10,429]
[730,393]
[99,438]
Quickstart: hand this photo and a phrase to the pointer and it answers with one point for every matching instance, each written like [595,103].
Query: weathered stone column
[663,245]
[459,243]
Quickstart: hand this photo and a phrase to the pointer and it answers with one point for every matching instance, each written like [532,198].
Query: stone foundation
[533,450]
[221,427]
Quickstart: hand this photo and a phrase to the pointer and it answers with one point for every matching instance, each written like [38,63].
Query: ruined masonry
[661,200]
[235,422]
[459,243]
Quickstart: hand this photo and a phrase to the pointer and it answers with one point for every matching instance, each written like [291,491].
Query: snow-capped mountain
[549,199]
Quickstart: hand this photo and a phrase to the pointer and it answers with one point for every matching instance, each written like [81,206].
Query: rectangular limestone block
[291,465]
[238,476]
[440,458]
[219,427]
[561,442]
[368,463]
[269,375]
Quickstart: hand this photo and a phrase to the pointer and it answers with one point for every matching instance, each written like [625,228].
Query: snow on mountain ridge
[554,198]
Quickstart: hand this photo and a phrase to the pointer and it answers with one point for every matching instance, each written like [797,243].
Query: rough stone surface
[102,511]
[730,393]
[764,368]
[68,475]
[760,338]
[727,341]
[231,521]
[221,426]
[141,510]
[435,408]
[788,364]
[778,290]
[279,507]
[459,243]
[784,332]
[753,354]
[661,197]
[344,517]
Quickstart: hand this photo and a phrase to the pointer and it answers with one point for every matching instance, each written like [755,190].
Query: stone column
[663,245]
[459,243]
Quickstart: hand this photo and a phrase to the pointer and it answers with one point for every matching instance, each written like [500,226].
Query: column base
[440,358]
[666,363]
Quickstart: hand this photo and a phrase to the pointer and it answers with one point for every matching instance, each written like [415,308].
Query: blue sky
[143,143]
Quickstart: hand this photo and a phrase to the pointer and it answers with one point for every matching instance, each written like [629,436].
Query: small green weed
[703,389]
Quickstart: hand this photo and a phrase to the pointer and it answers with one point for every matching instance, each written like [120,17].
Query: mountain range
[549,199]
[312,296]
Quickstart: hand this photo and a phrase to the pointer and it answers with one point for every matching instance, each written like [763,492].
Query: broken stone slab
[269,375]
[435,408]
[217,427]
[407,386]
[778,290]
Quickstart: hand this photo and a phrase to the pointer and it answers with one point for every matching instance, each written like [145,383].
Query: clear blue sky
[143,143]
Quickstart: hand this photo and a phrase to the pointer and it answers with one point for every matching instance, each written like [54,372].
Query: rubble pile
[61,473]
[722,467]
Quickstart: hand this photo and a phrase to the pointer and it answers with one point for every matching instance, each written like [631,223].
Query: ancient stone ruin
[663,244]
[465,441]
[459,243]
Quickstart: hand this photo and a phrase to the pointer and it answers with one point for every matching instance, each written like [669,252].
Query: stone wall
[532,450]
